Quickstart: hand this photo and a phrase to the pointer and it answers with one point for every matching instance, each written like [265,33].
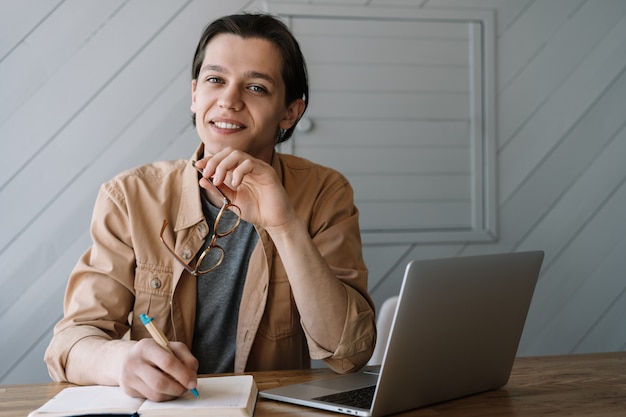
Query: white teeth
[224,125]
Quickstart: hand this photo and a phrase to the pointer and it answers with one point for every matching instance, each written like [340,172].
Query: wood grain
[569,385]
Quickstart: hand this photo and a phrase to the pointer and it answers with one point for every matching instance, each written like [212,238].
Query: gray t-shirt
[219,295]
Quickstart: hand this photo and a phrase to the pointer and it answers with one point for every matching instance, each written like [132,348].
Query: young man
[246,258]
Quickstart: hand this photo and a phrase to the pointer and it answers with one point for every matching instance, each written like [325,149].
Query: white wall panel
[368,132]
[574,282]
[46,46]
[585,84]
[390,74]
[554,63]
[534,29]
[18,19]
[84,75]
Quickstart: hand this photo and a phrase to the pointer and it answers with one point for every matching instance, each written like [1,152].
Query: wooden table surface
[570,385]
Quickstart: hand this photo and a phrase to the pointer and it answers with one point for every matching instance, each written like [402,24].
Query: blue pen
[161,340]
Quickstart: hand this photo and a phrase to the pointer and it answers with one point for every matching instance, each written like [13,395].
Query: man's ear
[193,96]
[294,111]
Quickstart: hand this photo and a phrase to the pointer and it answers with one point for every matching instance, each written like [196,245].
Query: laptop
[456,330]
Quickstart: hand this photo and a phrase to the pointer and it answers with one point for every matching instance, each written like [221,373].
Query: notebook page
[87,399]
[223,393]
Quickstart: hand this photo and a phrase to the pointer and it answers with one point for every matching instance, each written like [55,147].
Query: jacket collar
[277,166]
[190,210]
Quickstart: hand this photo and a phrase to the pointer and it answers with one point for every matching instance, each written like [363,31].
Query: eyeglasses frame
[226,205]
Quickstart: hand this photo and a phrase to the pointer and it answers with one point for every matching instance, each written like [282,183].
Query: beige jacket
[127,271]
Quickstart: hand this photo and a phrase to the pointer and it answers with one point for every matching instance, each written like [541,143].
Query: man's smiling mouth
[225,125]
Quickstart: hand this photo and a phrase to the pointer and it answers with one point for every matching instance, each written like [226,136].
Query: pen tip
[195,392]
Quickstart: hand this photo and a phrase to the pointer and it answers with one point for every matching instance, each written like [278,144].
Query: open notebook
[219,396]
[456,330]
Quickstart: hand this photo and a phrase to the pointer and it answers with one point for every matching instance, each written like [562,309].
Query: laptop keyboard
[361,397]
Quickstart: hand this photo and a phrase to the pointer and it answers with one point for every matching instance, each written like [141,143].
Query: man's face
[239,96]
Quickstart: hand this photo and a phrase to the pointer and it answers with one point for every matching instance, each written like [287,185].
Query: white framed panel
[403,104]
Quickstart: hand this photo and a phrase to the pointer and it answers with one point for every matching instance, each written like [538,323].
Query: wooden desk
[572,385]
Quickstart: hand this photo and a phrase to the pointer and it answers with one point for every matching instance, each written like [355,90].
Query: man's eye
[214,80]
[258,89]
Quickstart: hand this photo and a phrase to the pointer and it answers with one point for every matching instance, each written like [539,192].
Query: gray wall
[90,87]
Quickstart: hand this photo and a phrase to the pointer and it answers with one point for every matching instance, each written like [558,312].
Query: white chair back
[383,325]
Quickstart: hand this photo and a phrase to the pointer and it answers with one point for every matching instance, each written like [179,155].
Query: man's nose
[231,98]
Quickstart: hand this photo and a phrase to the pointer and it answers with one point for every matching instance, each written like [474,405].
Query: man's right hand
[149,371]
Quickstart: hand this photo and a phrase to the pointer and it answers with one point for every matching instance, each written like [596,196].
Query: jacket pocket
[152,296]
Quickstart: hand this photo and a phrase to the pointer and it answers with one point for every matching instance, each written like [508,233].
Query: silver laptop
[455,332]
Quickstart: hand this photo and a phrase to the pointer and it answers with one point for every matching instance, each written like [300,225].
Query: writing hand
[149,371]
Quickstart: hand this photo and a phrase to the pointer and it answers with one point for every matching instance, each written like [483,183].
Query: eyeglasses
[224,225]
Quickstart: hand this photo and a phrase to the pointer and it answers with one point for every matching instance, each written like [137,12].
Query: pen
[161,340]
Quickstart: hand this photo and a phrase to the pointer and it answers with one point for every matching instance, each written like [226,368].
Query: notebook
[456,330]
[229,395]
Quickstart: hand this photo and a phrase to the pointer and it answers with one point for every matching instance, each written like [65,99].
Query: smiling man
[258,262]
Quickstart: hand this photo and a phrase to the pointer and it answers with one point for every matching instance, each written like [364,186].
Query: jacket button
[186,254]
[155,283]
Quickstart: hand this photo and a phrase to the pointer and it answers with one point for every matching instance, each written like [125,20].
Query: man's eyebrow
[263,76]
[249,74]
[210,67]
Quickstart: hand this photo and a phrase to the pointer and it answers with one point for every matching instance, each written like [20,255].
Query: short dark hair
[262,26]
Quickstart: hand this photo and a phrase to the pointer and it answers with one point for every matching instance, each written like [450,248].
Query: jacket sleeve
[335,230]
[99,293]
